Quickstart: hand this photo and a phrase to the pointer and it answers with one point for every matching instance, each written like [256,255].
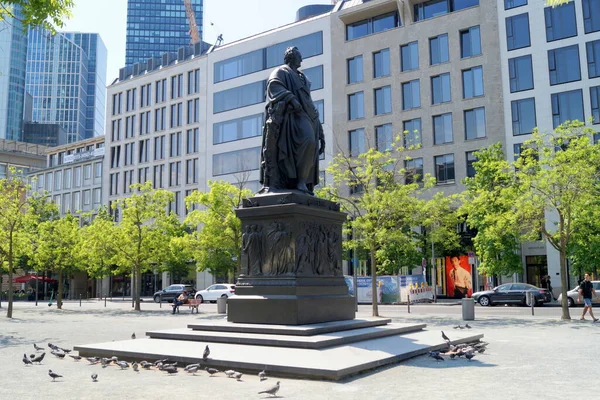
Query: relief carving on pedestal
[252,247]
[279,250]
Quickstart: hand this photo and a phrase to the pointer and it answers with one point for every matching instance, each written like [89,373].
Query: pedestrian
[544,283]
[586,289]
[549,286]
[182,299]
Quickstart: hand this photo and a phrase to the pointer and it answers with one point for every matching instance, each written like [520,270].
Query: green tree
[381,209]
[49,14]
[177,257]
[58,249]
[216,246]
[98,245]
[14,208]
[142,234]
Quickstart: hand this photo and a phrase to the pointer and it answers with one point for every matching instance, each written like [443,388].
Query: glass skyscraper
[158,26]
[66,75]
[13,58]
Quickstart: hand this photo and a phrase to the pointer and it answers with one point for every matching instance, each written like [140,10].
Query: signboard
[84,155]
[459,280]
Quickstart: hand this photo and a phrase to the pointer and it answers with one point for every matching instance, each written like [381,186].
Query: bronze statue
[292,135]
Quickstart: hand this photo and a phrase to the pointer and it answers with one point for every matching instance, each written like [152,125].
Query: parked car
[512,293]
[213,292]
[573,294]
[171,292]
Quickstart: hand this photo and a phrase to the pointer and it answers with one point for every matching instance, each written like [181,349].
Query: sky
[235,19]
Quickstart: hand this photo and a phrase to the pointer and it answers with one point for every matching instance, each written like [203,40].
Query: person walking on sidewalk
[586,289]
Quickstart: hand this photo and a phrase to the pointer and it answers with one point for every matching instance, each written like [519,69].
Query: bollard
[529,297]
[79,299]
[408,302]
[160,301]
[222,305]
[468,309]
[105,300]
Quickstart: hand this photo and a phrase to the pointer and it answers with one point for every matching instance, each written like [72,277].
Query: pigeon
[93,360]
[53,375]
[104,362]
[445,337]
[113,359]
[64,350]
[74,357]
[26,360]
[192,370]
[481,350]
[133,335]
[437,357]
[190,366]
[31,355]
[160,361]
[469,356]
[171,370]
[37,348]
[262,375]
[123,364]
[206,353]
[38,359]
[467,326]
[238,376]
[94,377]
[58,354]
[212,371]
[272,391]
[146,364]
[229,373]
[135,366]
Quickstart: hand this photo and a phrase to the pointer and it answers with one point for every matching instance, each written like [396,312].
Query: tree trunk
[60,290]
[374,297]
[138,287]
[10,280]
[563,283]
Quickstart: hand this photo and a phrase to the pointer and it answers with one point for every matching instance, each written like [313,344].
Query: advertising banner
[459,279]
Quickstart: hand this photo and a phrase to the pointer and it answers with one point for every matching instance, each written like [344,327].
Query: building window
[161,91]
[411,95]
[77,175]
[560,22]
[384,137]
[116,130]
[48,185]
[413,170]
[355,69]
[238,97]
[440,89]
[146,95]
[57,180]
[567,106]
[470,42]
[412,133]
[193,111]
[114,184]
[523,116]
[442,129]
[521,73]
[129,127]
[595,101]
[87,199]
[143,175]
[372,25]
[129,153]
[159,172]
[236,161]
[438,49]
[176,86]
[444,168]
[517,32]
[357,142]
[434,8]
[145,123]
[175,144]
[117,103]
[97,196]
[175,173]
[319,105]
[193,79]
[127,181]
[356,105]
[160,116]
[174,205]
[98,170]
[191,167]
[381,63]
[315,77]
[475,123]
[76,202]
[159,148]
[68,177]
[563,65]
[508,4]
[130,98]
[192,141]
[115,156]
[470,160]
[591,15]
[238,129]
[472,82]
[176,115]
[593,58]
[383,100]
[309,45]
[144,151]
[409,54]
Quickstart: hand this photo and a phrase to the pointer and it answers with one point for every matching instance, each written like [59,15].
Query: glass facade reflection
[158,26]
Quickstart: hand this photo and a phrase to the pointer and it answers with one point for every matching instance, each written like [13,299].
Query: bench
[193,304]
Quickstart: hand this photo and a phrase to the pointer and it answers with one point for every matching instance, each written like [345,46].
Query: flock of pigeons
[160,365]
[467,350]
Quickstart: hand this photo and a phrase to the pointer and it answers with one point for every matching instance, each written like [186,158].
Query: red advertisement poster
[459,281]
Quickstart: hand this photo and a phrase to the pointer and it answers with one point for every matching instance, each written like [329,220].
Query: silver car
[573,295]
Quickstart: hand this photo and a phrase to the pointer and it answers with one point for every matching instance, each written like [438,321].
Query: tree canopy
[48,14]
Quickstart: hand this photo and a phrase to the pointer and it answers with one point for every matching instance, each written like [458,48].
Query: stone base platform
[330,351]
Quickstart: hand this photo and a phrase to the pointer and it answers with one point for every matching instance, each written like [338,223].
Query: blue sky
[235,19]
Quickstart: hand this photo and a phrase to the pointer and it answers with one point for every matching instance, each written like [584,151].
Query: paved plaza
[528,357]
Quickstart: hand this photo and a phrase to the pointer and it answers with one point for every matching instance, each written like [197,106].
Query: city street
[527,357]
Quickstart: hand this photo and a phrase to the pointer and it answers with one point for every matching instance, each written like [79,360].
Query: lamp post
[433,268]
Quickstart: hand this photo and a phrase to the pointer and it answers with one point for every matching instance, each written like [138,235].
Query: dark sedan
[512,293]
[173,291]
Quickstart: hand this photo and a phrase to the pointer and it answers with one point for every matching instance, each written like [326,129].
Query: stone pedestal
[291,262]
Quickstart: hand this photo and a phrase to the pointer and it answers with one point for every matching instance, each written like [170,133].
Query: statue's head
[292,57]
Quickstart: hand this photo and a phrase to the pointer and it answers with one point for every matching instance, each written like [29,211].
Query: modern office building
[50,135]
[550,60]
[155,27]
[24,157]
[13,59]
[58,79]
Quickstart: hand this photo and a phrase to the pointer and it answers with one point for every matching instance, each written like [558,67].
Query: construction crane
[191,16]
